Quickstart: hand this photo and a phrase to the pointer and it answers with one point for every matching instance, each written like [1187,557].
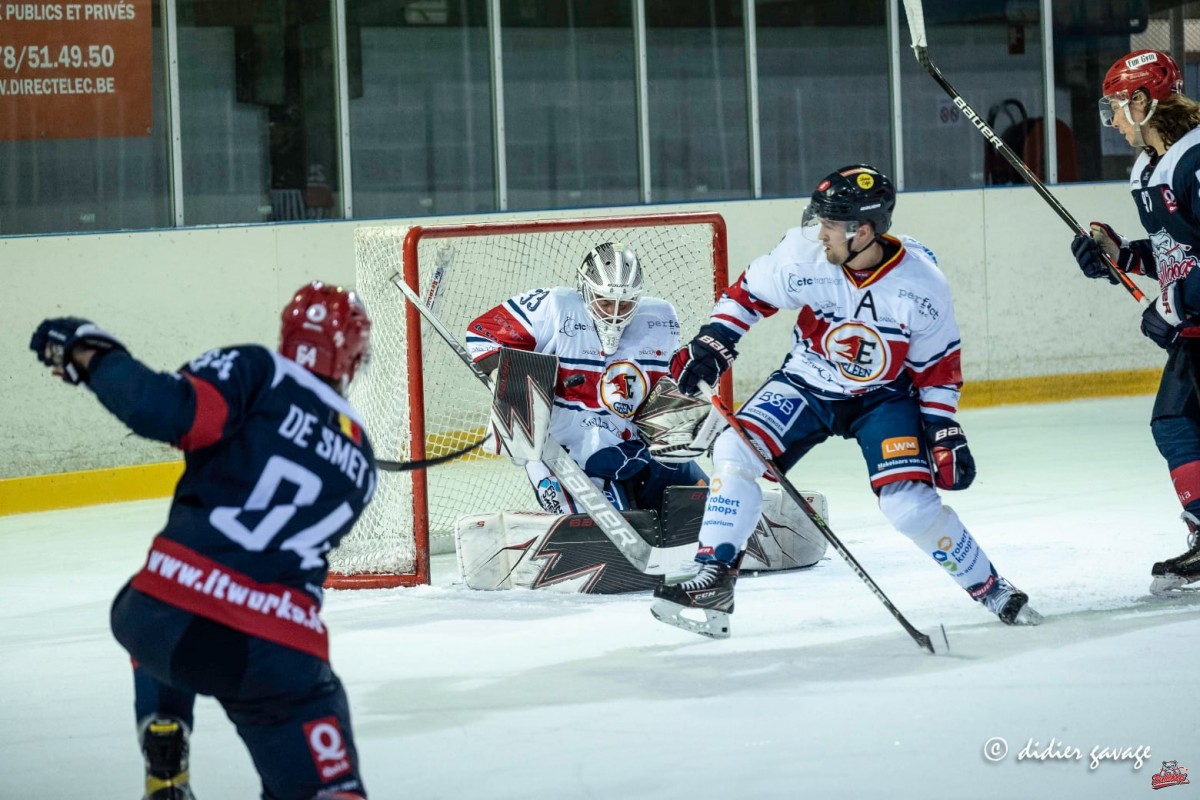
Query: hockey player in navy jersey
[277,469]
[1143,99]
[875,358]
[613,345]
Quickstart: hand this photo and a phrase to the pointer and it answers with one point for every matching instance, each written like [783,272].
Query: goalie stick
[644,557]
[777,475]
[916,27]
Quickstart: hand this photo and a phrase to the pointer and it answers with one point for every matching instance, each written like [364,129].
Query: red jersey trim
[882,269]
[212,412]
[181,577]
[922,475]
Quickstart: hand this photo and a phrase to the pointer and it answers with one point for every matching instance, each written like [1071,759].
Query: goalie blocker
[527,550]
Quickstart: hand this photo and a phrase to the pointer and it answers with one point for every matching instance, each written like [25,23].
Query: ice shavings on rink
[819,693]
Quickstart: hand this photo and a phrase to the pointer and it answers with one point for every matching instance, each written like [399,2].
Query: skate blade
[1171,586]
[714,626]
[1027,616]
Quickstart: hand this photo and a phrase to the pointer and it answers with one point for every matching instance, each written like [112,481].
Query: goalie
[587,368]
[613,345]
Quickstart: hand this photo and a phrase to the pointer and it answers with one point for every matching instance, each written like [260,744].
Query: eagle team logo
[859,352]
[623,388]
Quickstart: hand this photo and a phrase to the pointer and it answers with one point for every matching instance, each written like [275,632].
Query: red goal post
[419,401]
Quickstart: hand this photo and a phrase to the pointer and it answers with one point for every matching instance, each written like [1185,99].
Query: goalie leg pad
[785,538]
[527,550]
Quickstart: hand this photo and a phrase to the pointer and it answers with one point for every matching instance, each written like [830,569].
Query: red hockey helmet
[326,330]
[1152,71]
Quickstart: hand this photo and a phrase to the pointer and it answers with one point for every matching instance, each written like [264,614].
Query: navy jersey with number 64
[278,468]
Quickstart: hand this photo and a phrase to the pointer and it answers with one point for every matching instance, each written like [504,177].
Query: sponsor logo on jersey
[858,351]
[571,327]
[1174,259]
[327,747]
[924,305]
[898,446]
[623,388]
[1169,200]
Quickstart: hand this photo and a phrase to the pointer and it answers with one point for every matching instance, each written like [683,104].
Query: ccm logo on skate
[327,747]
[900,446]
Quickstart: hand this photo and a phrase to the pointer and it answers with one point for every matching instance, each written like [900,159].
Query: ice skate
[710,592]
[1171,577]
[1010,604]
[165,745]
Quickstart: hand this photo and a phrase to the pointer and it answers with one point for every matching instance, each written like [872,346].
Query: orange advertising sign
[75,70]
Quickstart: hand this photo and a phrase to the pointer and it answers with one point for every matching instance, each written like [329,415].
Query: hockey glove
[1103,239]
[56,340]
[620,462]
[952,463]
[703,359]
[1162,332]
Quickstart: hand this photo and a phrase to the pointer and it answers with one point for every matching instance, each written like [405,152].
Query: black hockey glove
[952,463]
[55,341]
[1103,239]
[1162,332]
[703,359]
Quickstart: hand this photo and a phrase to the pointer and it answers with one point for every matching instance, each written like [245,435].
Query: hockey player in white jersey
[613,344]
[874,357]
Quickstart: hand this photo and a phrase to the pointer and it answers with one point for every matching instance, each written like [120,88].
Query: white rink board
[1022,305]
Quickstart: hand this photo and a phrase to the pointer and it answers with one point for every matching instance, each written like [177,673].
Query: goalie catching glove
[952,462]
[704,359]
[56,340]
[677,428]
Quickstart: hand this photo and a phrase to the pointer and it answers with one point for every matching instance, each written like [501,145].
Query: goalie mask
[326,330]
[610,282]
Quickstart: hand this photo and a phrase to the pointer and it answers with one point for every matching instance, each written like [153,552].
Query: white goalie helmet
[610,282]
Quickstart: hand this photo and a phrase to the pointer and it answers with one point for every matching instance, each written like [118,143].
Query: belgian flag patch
[350,429]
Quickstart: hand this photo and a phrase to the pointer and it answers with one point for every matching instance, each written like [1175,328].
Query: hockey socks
[917,511]
[731,513]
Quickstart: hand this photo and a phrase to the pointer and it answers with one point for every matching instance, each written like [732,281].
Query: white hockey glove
[677,428]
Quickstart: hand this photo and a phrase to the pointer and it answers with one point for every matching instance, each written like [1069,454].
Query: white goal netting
[477,267]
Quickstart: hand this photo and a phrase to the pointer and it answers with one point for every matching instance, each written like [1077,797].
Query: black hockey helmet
[857,193]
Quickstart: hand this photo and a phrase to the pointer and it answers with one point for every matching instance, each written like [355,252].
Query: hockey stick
[777,475]
[645,558]
[409,466]
[916,27]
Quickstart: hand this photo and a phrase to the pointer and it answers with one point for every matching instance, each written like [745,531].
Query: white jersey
[858,331]
[598,412]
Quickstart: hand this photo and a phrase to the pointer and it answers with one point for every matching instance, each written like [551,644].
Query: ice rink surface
[818,694]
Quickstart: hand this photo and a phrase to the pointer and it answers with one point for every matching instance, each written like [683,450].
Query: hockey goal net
[419,400]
